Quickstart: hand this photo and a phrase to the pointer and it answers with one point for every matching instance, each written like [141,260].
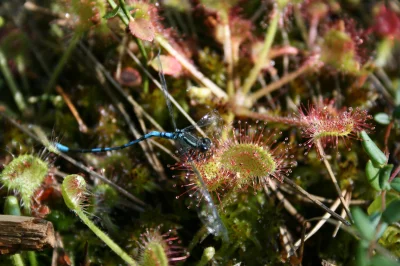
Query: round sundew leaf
[372,175]
[375,154]
[395,184]
[384,176]
[363,224]
[170,65]
[382,118]
[142,29]
[73,190]
[392,212]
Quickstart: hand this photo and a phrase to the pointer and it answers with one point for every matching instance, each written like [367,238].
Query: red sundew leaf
[130,77]
[170,65]
[387,23]
[142,29]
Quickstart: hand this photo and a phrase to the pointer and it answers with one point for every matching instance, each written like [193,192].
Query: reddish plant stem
[309,64]
[387,135]
[239,111]
[394,173]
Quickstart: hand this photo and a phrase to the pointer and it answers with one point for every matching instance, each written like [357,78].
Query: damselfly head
[204,144]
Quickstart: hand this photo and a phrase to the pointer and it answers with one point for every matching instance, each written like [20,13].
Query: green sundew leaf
[395,184]
[384,176]
[382,118]
[372,175]
[363,224]
[392,212]
[112,13]
[375,154]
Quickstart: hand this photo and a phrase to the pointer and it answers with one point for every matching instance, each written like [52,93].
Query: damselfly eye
[205,144]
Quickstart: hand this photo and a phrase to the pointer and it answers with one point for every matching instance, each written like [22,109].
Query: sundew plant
[294,159]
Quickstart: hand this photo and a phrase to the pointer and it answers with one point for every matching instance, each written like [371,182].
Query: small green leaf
[392,212]
[382,118]
[372,175]
[376,205]
[395,184]
[363,224]
[112,13]
[384,176]
[375,154]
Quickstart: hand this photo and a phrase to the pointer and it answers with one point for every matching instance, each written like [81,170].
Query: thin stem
[300,22]
[314,200]
[286,204]
[123,17]
[108,241]
[64,59]
[333,178]
[144,54]
[315,229]
[343,214]
[394,173]
[191,68]
[269,118]
[228,58]
[269,38]
[82,126]
[284,80]
[18,98]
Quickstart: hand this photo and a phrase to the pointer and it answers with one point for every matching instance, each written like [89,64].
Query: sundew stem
[64,59]
[269,38]
[328,167]
[5,70]
[73,190]
[109,242]
[282,81]
[240,111]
